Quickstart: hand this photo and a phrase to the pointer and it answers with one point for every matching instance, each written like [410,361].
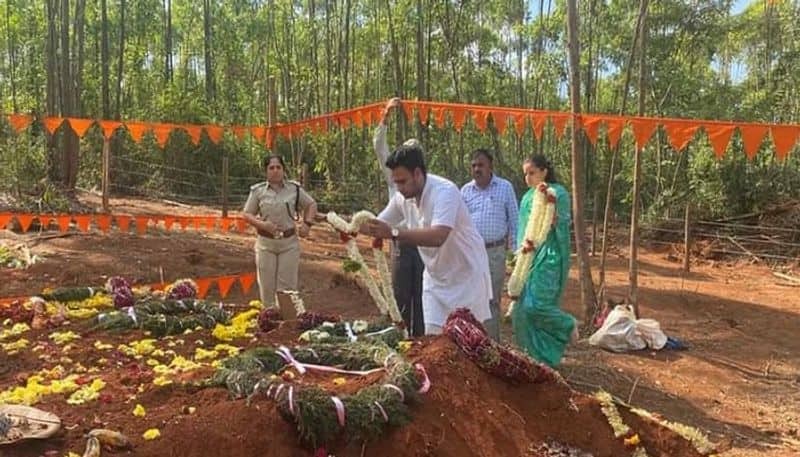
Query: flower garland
[698,439]
[620,428]
[471,337]
[541,219]
[383,296]
[321,416]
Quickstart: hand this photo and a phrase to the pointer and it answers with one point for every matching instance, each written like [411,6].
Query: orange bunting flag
[752,137]
[203,285]
[225,224]
[25,221]
[161,132]
[141,224]
[241,225]
[614,129]
[519,124]
[63,223]
[642,131]
[784,137]
[480,117]
[500,120]
[357,118]
[44,221]
[109,127]
[169,221]
[136,129]
[194,132]
[408,109]
[719,136]
[123,222]
[20,121]
[214,133]
[211,222]
[224,283]
[538,125]
[258,133]
[5,218]
[239,131]
[679,133]
[459,117]
[559,124]
[246,281]
[82,220]
[423,111]
[438,116]
[183,221]
[591,126]
[80,126]
[52,124]
[103,221]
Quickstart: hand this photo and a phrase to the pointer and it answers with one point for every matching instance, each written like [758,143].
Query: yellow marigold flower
[139,411]
[151,434]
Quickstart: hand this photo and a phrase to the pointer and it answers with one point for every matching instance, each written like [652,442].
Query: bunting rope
[123,222]
[224,285]
[679,132]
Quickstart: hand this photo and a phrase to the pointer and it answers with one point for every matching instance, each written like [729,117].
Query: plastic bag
[622,332]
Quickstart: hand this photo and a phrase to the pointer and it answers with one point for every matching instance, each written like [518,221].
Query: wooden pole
[272,102]
[225,172]
[633,272]
[588,298]
[106,172]
[687,240]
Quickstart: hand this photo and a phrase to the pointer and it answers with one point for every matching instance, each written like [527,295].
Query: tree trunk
[168,65]
[633,273]
[585,273]
[420,55]
[207,42]
[121,58]
[104,59]
[612,166]
[12,52]
[80,55]
[53,91]
[69,140]
[398,71]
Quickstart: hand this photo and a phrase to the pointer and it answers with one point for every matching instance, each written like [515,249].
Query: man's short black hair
[407,155]
[483,152]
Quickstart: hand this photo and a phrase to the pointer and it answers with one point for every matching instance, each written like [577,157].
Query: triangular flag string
[680,133]
[246,281]
[642,131]
[500,120]
[20,121]
[752,137]
[109,127]
[719,136]
[52,124]
[80,126]
[784,137]
[224,284]
[25,221]
[5,218]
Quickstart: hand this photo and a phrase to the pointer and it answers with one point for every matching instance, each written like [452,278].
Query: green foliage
[702,61]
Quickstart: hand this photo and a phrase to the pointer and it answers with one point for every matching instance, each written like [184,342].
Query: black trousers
[407,278]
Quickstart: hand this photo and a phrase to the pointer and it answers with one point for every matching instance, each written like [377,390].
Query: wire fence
[132,177]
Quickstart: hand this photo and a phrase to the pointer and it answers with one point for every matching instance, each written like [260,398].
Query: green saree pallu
[540,327]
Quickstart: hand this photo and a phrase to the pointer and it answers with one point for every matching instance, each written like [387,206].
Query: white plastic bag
[622,332]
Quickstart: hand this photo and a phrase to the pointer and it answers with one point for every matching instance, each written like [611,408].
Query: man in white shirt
[437,221]
[407,265]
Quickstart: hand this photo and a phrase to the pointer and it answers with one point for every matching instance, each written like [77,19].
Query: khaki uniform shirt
[277,206]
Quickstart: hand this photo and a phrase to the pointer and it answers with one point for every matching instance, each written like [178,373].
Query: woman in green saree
[539,325]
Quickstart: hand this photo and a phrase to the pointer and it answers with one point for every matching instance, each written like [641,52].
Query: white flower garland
[543,210]
[383,296]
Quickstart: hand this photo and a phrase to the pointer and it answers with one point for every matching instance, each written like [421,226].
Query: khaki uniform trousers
[277,262]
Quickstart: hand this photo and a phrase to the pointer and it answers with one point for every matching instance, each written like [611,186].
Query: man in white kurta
[437,221]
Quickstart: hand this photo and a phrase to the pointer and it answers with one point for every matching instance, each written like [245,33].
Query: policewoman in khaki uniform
[280,210]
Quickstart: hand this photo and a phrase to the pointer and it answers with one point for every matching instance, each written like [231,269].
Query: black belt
[279,235]
[495,244]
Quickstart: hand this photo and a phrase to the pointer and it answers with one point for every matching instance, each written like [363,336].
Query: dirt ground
[738,382]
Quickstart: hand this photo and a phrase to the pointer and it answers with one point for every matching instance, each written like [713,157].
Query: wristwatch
[395,234]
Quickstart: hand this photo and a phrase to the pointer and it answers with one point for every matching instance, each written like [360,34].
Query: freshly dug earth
[466,413]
